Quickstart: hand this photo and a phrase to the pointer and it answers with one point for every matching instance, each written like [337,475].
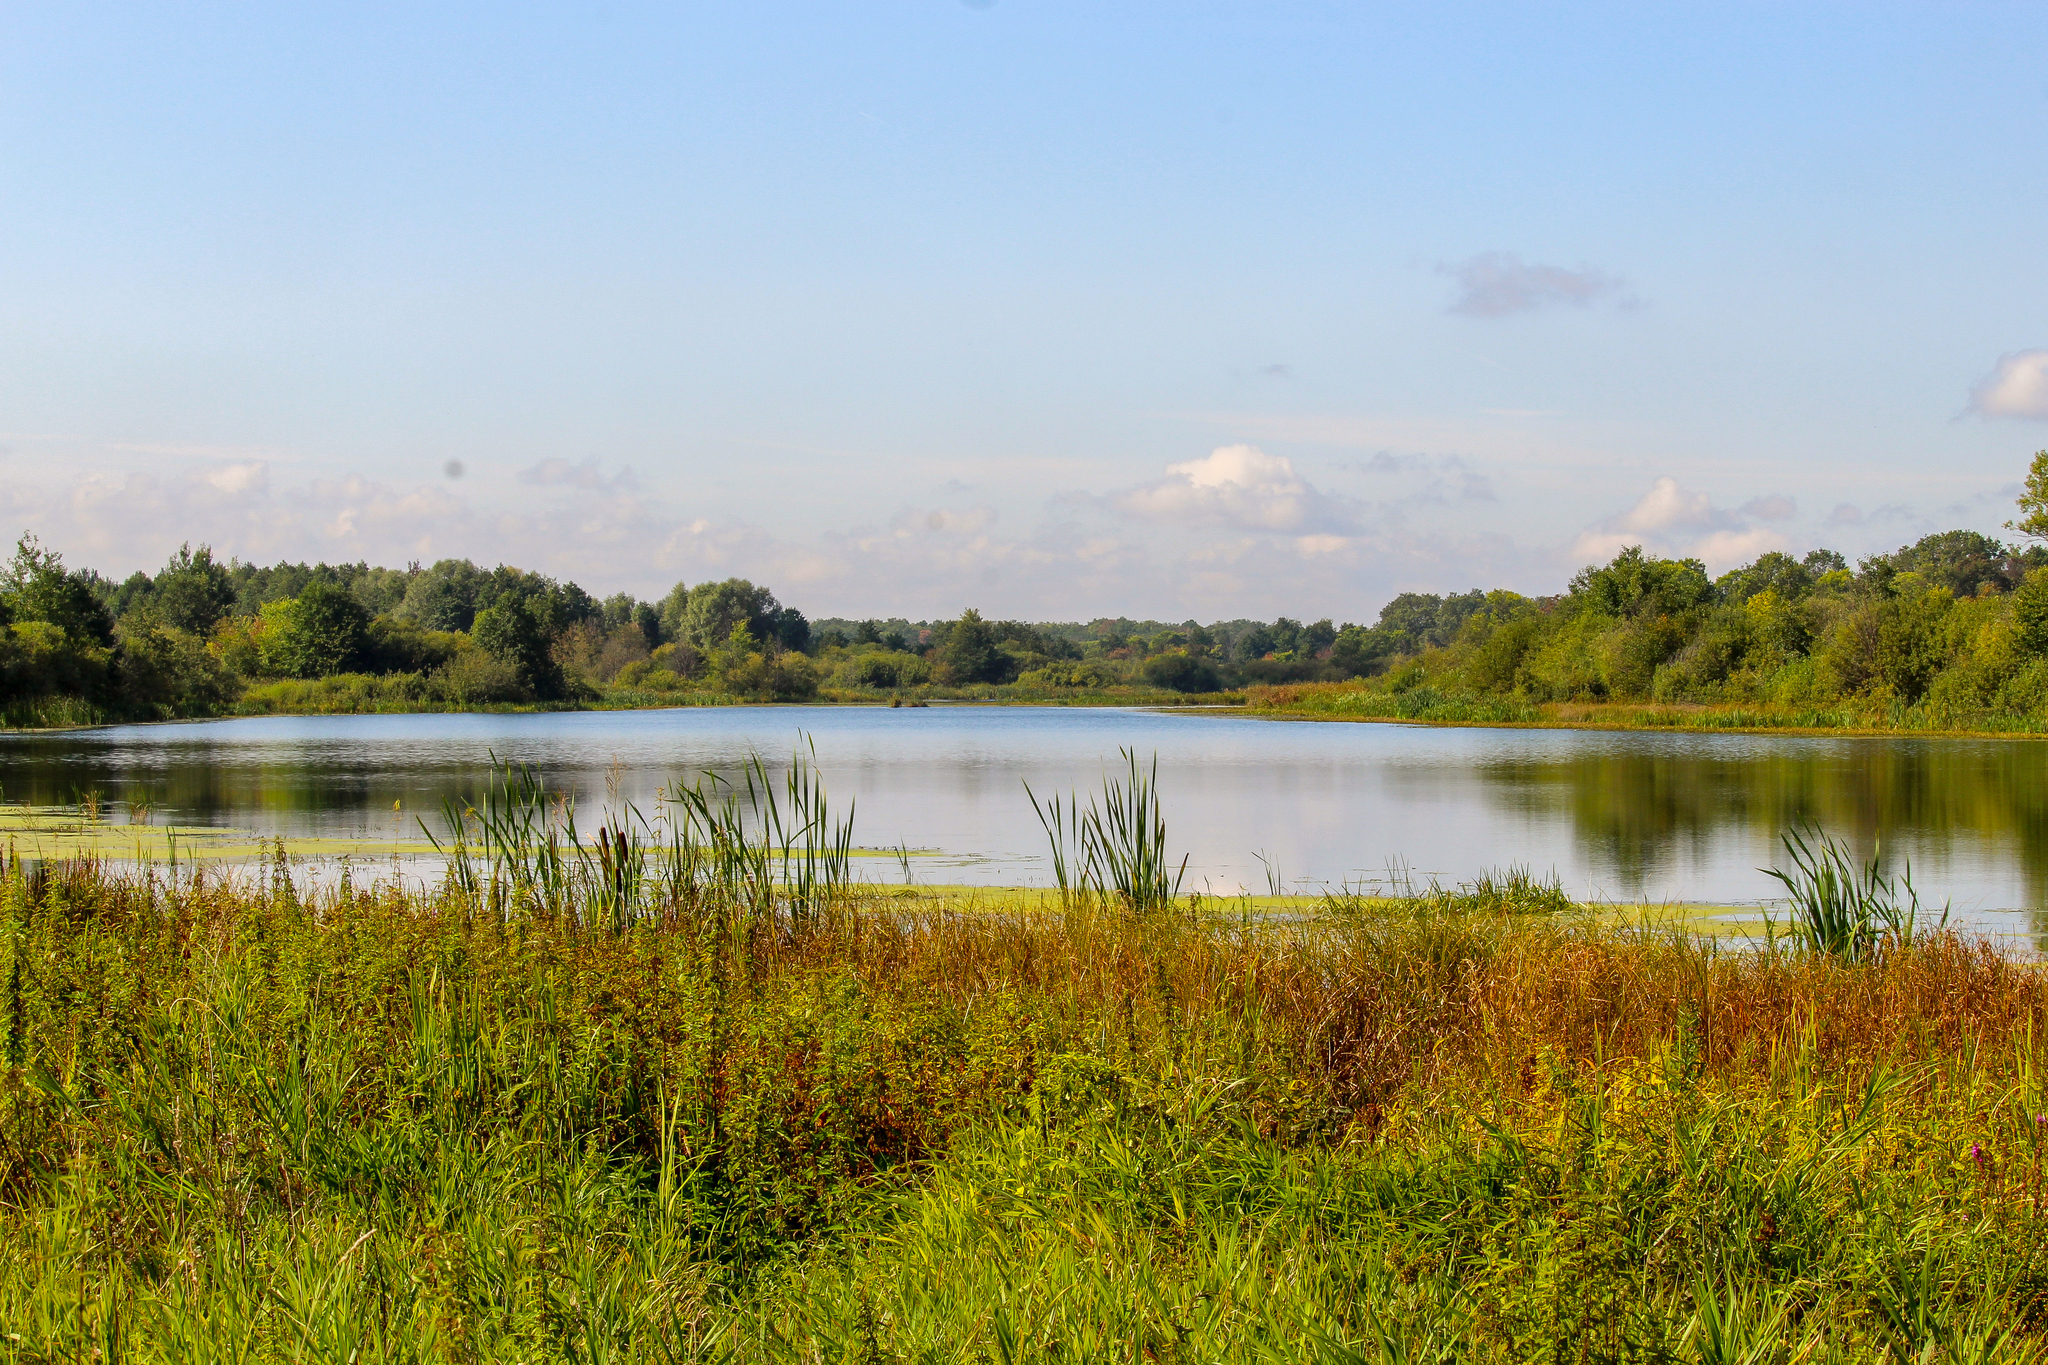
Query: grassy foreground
[240,1121]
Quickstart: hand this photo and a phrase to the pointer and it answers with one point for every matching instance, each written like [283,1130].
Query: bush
[1178,672]
[881,670]
[474,678]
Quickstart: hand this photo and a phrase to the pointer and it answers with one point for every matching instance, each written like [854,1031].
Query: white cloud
[2016,387]
[1496,283]
[1240,486]
[249,476]
[1674,522]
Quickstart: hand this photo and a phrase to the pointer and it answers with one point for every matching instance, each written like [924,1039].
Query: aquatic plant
[1115,849]
[1842,906]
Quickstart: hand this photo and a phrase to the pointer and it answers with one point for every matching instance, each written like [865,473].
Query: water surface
[1617,815]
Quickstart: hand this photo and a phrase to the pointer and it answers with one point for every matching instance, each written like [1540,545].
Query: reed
[1842,906]
[1114,851]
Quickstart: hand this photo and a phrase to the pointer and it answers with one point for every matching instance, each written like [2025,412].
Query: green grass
[240,1120]
[1429,705]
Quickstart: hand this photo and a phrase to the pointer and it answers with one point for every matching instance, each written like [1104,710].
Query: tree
[792,630]
[444,597]
[2030,612]
[36,587]
[1961,561]
[1775,572]
[1635,584]
[715,608]
[970,654]
[2034,501]
[672,611]
[193,591]
[321,631]
[521,630]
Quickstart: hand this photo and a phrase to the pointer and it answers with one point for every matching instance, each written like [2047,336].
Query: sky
[1059,310]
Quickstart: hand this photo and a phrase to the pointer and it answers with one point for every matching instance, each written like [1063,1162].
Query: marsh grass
[1430,705]
[1845,906]
[1113,852]
[768,1118]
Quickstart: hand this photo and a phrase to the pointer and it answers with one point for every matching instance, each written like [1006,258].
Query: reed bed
[737,1110]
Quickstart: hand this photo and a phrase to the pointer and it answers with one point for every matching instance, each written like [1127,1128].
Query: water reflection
[1641,809]
[1628,816]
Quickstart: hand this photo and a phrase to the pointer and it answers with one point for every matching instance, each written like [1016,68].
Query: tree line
[1957,618]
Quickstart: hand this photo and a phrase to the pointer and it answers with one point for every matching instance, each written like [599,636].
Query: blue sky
[1055,309]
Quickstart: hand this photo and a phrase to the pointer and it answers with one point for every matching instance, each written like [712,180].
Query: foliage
[194,591]
[35,586]
[714,610]
[1179,671]
[1950,632]
[2033,501]
[971,653]
[746,669]
[1114,852]
[521,630]
[1844,907]
[882,669]
[323,630]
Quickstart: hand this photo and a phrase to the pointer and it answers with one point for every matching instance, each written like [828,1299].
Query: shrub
[882,669]
[1182,672]
[473,677]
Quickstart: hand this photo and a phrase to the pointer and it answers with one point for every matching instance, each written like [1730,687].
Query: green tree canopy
[521,629]
[36,587]
[715,608]
[321,631]
[1636,584]
[971,653]
[1961,561]
[194,591]
[445,596]
[2033,501]
[1180,672]
[1772,572]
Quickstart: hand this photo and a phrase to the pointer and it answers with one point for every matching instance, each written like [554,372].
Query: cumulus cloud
[1243,487]
[1496,283]
[1675,522]
[248,476]
[2016,387]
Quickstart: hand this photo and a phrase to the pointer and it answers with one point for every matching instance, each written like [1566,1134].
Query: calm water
[1623,816]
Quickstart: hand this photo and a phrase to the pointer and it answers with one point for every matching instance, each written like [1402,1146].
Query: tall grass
[1115,849]
[736,847]
[1844,906]
[761,1117]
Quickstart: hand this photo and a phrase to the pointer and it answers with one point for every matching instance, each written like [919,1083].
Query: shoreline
[1610,717]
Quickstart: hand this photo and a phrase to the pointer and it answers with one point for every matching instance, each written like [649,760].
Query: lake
[1617,815]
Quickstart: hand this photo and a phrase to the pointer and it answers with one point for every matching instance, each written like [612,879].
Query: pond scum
[682,1090]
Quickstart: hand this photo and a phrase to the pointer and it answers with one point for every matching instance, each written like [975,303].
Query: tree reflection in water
[1636,811]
